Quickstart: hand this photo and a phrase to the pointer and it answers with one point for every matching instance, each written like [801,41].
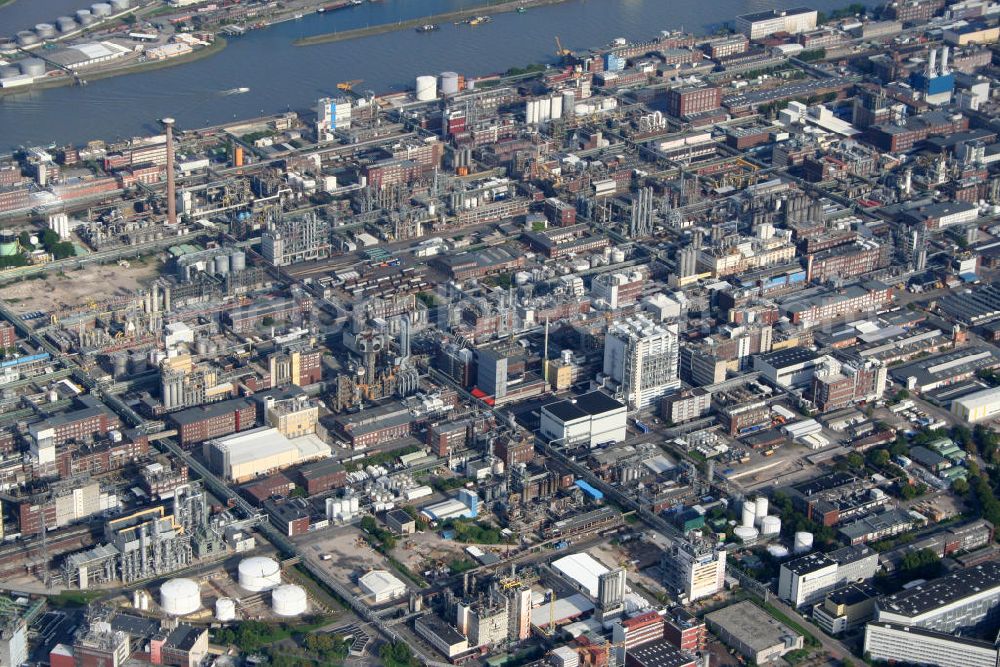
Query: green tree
[24,238]
[855,460]
[960,486]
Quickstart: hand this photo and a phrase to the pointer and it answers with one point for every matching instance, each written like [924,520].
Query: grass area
[316,588]
[810,638]
[74,598]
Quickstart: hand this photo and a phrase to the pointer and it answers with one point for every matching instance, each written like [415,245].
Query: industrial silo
[288,600]
[27,38]
[237,261]
[100,9]
[747,518]
[45,30]
[225,609]
[760,509]
[426,88]
[259,573]
[66,23]
[180,597]
[449,83]
[32,66]
[84,17]
[222,264]
[803,543]
[8,243]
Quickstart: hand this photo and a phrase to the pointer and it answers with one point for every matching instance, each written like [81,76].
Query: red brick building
[689,100]
[214,420]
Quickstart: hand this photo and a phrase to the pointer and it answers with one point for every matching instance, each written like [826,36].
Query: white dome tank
[746,533]
[259,574]
[288,600]
[426,88]
[803,542]
[760,509]
[180,597]
[225,609]
[770,525]
[749,513]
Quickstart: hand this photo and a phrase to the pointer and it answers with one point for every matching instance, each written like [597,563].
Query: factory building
[979,406]
[296,239]
[214,420]
[243,456]
[762,24]
[641,358]
[807,580]
[381,586]
[593,418]
[753,633]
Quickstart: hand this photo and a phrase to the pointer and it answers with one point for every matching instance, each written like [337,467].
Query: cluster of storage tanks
[427,85]
[67,24]
[259,574]
[342,509]
[221,264]
[545,109]
[756,521]
[34,67]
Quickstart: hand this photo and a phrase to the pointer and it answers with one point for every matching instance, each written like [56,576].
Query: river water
[282,76]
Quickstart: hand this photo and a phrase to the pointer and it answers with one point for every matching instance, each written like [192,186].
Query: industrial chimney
[944,60]
[931,69]
[171,190]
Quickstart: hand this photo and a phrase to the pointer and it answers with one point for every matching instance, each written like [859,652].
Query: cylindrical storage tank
[225,609]
[449,83]
[8,243]
[770,525]
[760,510]
[617,255]
[748,513]
[426,88]
[9,71]
[238,261]
[100,9]
[355,503]
[33,66]
[746,533]
[66,23]
[84,17]
[803,543]
[222,264]
[180,597]
[568,101]
[531,112]
[259,573]
[27,38]
[288,600]
[778,551]
[556,107]
[120,5]
[201,346]
[45,30]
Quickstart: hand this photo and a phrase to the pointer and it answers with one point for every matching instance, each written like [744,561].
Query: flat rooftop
[751,625]
[945,590]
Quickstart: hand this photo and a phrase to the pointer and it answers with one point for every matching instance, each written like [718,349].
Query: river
[282,76]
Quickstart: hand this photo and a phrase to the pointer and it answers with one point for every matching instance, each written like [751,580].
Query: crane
[560,51]
[347,86]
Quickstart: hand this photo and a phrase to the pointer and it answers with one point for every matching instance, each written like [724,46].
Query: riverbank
[447,17]
[148,66]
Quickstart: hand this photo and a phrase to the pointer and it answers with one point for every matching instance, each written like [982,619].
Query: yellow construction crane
[560,51]
[348,86]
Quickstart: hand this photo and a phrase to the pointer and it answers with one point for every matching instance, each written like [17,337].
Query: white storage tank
[259,573]
[100,9]
[746,533]
[180,597]
[66,23]
[617,255]
[27,38]
[770,525]
[426,88]
[225,609]
[84,17]
[288,600]
[449,83]
[749,512]
[237,261]
[33,66]
[760,510]
[222,264]
[803,542]
[778,551]
[45,30]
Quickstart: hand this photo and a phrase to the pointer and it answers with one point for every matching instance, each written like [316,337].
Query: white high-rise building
[332,114]
[640,357]
[695,569]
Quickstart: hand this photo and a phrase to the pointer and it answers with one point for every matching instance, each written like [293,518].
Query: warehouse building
[381,586]
[980,406]
[944,369]
[753,633]
[591,419]
[243,456]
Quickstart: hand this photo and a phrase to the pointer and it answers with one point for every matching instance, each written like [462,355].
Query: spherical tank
[225,609]
[259,573]
[33,66]
[426,88]
[100,9]
[66,23]
[45,30]
[27,38]
[180,597]
[449,83]
[84,17]
[288,600]
[770,525]
[803,542]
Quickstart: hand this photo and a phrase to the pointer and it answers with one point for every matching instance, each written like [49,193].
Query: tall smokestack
[171,189]
[931,66]
[944,60]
